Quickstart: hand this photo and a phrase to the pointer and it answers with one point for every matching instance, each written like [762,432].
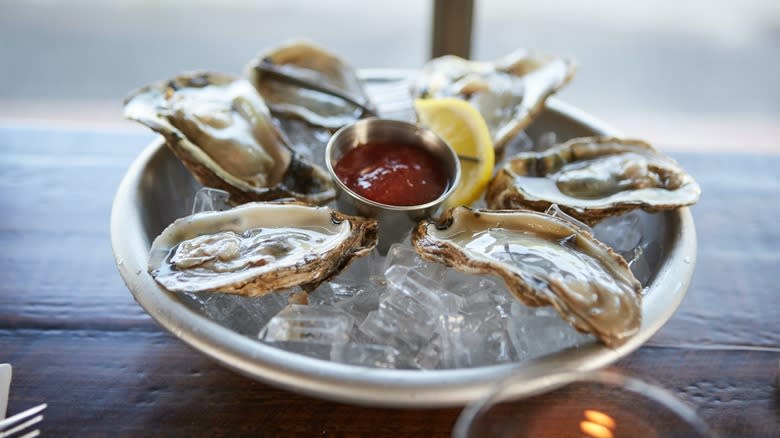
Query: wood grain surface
[79,342]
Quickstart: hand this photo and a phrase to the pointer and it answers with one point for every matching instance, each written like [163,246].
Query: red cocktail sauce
[392,173]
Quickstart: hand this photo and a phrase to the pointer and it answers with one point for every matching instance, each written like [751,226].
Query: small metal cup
[395,221]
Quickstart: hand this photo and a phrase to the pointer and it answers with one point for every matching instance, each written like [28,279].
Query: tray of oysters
[226,232]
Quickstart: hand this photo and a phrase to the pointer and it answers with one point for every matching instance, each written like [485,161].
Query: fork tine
[393,100]
[22,427]
[10,421]
[32,434]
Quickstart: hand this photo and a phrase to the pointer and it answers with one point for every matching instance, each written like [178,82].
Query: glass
[599,404]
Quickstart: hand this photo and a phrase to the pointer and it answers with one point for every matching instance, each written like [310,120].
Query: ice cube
[519,310]
[387,328]
[545,311]
[475,340]
[195,300]
[535,336]
[520,143]
[400,305]
[245,315]
[502,295]
[370,355]
[362,271]
[360,304]
[330,294]
[432,293]
[421,288]
[482,306]
[466,284]
[428,357]
[481,296]
[311,349]
[546,140]
[408,309]
[652,253]
[210,199]
[452,303]
[314,324]
[453,352]
[641,268]
[622,233]
[392,100]
[497,348]
[404,255]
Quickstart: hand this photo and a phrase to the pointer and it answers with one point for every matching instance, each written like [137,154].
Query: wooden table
[79,342]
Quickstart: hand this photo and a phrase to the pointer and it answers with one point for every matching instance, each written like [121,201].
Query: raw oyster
[304,81]
[591,178]
[544,260]
[222,131]
[508,92]
[258,247]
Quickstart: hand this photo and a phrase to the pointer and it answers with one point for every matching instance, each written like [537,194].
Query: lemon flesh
[460,124]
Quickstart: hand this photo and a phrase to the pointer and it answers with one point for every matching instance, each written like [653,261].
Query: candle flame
[600,418]
[595,430]
[597,424]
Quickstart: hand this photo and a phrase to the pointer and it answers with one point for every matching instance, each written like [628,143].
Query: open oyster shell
[509,92]
[222,131]
[544,260]
[304,81]
[591,178]
[258,247]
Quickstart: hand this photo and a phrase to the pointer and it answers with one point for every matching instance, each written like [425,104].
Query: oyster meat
[544,260]
[509,92]
[304,81]
[222,131]
[258,247]
[592,178]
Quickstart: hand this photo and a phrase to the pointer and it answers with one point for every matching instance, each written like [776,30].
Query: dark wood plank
[58,186]
[736,215]
[734,391]
[733,299]
[155,383]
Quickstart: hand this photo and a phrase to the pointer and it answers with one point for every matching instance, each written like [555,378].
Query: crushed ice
[405,313]
[400,311]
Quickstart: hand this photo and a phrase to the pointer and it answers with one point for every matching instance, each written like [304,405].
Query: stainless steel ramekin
[395,221]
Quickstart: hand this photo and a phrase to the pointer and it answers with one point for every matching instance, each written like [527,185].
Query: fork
[393,99]
[20,424]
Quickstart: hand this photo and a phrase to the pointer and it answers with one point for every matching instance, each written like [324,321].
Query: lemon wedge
[460,124]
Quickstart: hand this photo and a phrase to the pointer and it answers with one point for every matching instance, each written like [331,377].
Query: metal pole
[452,22]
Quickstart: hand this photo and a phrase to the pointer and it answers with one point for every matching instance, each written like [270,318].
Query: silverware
[20,424]
[5,386]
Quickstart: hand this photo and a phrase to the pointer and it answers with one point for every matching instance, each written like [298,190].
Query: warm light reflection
[597,424]
[600,418]
[595,430]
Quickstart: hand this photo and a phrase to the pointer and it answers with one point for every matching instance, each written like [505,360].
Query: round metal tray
[157,189]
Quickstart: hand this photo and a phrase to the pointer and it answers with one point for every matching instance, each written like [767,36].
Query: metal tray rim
[379,387]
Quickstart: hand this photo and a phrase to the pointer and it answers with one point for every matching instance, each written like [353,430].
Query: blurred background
[688,74]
